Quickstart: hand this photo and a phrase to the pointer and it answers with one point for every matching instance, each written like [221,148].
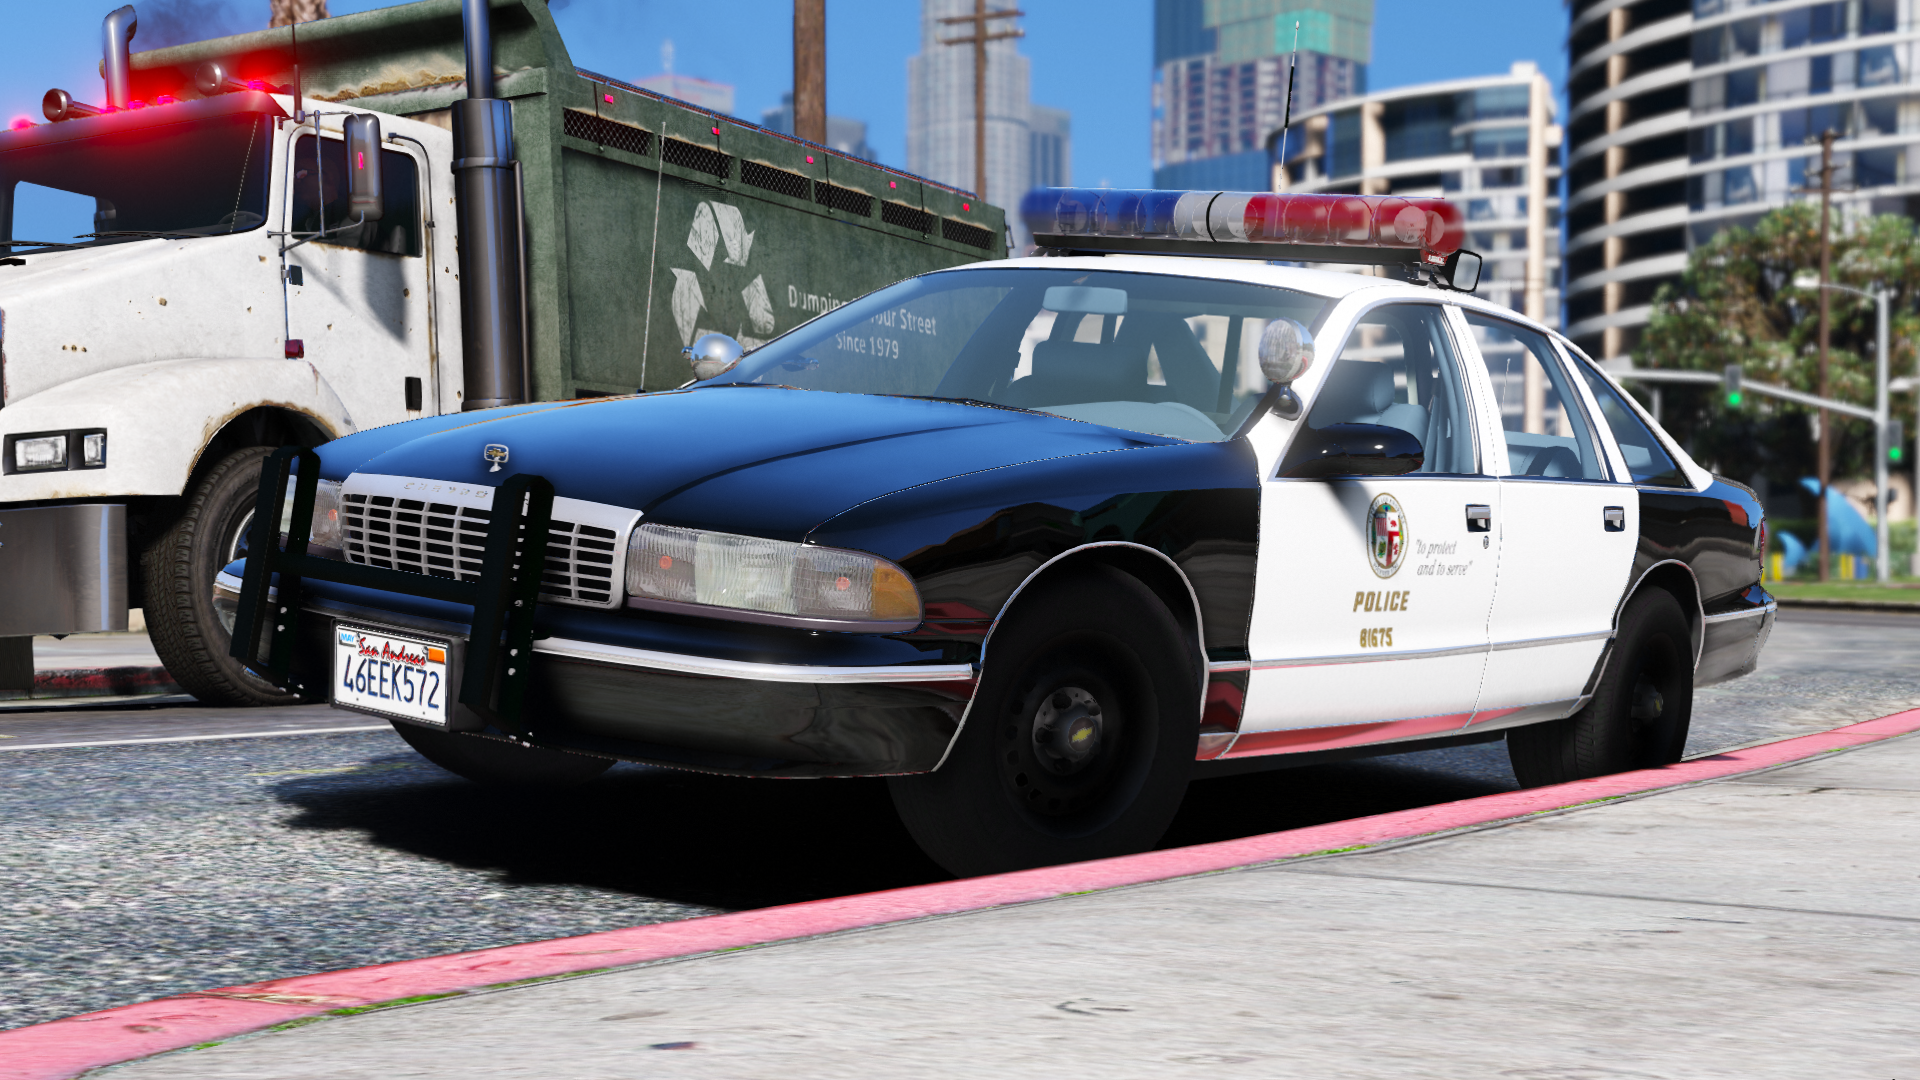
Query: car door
[1371,601]
[1566,530]
[357,293]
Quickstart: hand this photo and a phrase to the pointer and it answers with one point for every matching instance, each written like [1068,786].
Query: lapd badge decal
[496,453]
[1386,535]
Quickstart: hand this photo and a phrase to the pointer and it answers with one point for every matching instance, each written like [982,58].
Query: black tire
[500,764]
[1091,659]
[1640,711]
[179,566]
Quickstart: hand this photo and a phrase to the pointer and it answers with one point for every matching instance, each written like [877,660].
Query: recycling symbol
[717,225]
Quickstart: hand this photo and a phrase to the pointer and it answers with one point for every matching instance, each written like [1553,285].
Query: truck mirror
[363,166]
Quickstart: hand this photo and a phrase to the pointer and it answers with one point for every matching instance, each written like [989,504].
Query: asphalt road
[147,865]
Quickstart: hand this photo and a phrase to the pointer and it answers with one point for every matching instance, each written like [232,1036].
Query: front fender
[159,417]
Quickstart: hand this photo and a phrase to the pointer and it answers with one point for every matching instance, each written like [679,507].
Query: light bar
[1321,228]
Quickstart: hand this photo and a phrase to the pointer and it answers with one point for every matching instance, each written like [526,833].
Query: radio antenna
[1286,119]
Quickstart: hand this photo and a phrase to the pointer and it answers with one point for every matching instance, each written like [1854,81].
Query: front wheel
[1640,711]
[1079,742]
[179,566]
[500,764]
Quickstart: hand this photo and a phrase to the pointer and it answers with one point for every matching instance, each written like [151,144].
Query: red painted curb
[63,1048]
[89,682]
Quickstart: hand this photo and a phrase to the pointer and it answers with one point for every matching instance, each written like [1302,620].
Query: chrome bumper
[63,569]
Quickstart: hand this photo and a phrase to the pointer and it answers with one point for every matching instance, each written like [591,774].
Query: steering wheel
[1566,461]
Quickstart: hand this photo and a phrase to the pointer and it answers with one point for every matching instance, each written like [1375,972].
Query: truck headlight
[325,539]
[52,451]
[745,577]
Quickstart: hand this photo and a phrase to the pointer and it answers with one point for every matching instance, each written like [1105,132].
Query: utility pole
[1826,428]
[810,70]
[979,40]
[288,12]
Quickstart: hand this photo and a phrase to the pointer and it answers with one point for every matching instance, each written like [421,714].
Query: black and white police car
[1041,540]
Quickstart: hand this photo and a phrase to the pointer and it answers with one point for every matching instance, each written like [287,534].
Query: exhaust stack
[493,317]
[116,33]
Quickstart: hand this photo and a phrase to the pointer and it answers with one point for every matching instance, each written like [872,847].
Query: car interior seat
[1361,392]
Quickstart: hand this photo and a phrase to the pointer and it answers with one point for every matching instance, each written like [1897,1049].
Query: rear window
[1647,461]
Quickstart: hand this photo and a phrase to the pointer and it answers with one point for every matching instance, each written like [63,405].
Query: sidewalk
[1761,924]
[93,666]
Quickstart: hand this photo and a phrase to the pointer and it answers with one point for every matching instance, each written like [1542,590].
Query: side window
[1540,416]
[1647,460]
[1398,368]
[320,198]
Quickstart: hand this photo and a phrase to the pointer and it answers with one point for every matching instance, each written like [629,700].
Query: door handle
[1616,518]
[1479,518]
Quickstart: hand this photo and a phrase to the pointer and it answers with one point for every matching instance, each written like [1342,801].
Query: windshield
[203,178]
[1152,353]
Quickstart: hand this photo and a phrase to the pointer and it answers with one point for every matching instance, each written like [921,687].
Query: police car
[1041,540]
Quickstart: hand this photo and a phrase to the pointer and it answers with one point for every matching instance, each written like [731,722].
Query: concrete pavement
[1764,924]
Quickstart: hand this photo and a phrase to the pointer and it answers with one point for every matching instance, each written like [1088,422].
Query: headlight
[770,581]
[51,451]
[324,540]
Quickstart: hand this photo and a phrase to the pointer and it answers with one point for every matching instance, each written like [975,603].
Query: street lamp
[1881,297]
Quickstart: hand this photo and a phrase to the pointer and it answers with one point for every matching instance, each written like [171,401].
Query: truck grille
[962,233]
[421,536]
[906,217]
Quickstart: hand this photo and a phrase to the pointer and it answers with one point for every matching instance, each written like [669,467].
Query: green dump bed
[650,221]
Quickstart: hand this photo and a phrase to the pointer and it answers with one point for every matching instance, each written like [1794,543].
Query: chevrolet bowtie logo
[496,453]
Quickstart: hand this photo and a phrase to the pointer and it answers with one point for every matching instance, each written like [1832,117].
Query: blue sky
[1092,57]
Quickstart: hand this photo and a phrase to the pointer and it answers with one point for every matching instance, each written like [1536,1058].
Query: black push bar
[500,645]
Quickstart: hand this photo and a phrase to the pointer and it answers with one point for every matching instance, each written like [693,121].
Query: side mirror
[1352,450]
[713,354]
[1286,352]
[1461,271]
[363,166]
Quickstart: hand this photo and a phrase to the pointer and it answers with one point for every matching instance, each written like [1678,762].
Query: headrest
[1355,389]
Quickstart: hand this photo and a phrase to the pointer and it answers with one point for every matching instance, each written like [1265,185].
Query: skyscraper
[1688,116]
[1220,80]
[705,93]
[940,113]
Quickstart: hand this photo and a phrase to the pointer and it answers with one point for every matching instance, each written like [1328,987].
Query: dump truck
[278,238]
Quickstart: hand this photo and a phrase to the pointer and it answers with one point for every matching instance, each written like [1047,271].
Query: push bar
[500,646]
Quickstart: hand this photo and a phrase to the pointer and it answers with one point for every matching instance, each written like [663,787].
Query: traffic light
[1896,438]
[1733,385]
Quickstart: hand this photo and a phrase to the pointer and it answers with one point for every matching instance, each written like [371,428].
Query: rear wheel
[1640,711]
[501,764]
[179,566]
[1079,742]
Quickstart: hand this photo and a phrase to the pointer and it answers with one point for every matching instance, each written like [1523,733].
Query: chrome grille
[387,529]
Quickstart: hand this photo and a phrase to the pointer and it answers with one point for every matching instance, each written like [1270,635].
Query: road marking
[200,738]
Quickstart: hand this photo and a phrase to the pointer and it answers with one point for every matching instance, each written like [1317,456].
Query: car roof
[1333,284]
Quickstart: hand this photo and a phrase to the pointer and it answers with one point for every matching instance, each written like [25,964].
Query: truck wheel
[501,764]
[1640,711]
[1079,741]
[179,567]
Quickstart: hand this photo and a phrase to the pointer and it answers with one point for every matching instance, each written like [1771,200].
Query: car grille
[386,528]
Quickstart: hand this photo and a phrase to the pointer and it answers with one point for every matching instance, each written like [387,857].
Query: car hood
[765,461]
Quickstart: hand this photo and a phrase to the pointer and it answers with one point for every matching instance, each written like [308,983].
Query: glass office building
[1220,80]
[1488,143]
[1687,116]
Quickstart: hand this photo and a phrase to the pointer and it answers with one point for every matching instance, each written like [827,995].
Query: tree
[1736,304]
[288,12]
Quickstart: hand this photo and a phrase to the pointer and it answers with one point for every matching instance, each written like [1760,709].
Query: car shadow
[731,843]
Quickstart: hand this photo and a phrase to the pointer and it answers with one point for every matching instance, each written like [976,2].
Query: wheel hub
[1067,730]
[1648,703]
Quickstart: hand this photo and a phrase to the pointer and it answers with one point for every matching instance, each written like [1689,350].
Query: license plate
[381,672]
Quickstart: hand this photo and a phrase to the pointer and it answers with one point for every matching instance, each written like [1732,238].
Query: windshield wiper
[150,235]
[39,246]
[970,401]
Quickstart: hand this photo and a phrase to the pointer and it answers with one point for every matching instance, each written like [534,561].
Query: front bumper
[63,569]
[715,714]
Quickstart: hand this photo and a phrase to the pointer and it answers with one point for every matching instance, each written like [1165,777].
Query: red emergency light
[1362,229]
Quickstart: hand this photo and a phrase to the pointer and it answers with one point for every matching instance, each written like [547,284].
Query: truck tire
[501,764]
[179,566]
[1640,710]
[1079,741]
